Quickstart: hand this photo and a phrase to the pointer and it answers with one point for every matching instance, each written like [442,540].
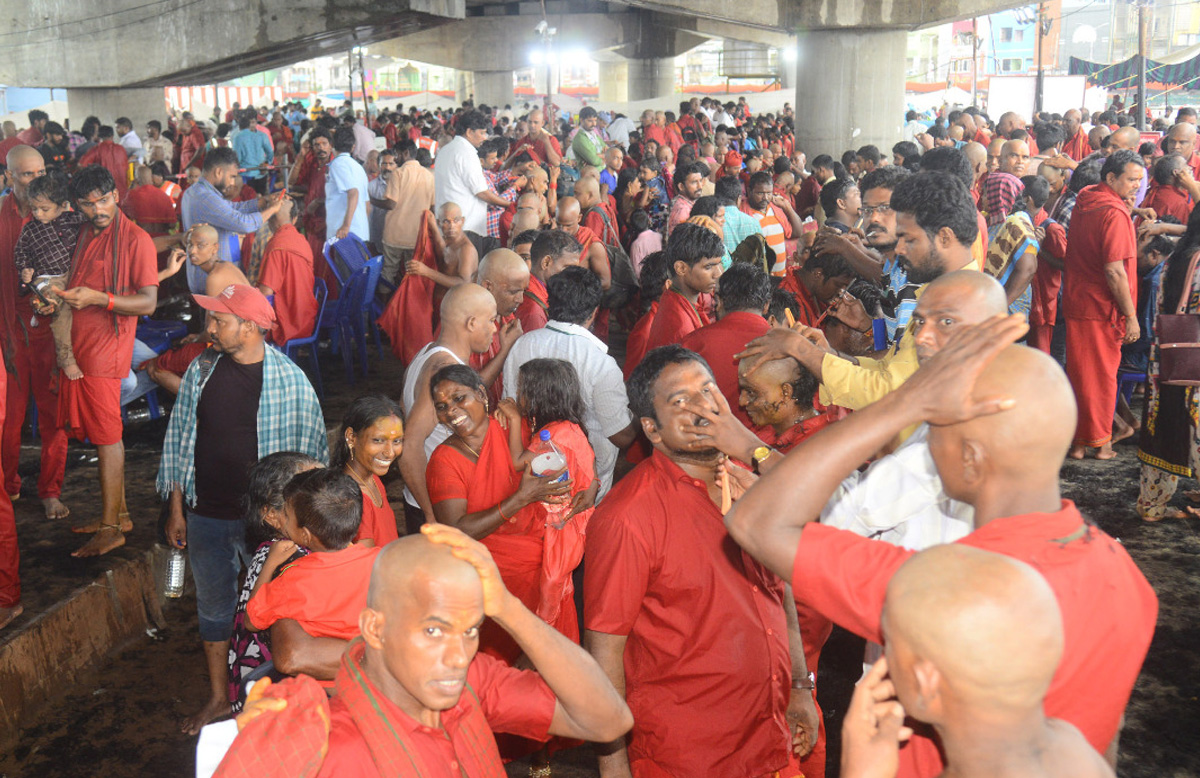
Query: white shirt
[912,129]
[900,499]
[619,130]
[722,117]
[364,142]
[132,144]
[601,379]
[408,398]
[457,178]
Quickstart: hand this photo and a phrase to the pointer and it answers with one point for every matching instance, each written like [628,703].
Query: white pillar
[139,105]
[651,78]
[494,87]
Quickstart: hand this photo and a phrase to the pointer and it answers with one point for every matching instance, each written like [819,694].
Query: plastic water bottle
[176,568]
[547,459]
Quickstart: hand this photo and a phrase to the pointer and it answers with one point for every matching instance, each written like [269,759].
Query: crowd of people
[677,398]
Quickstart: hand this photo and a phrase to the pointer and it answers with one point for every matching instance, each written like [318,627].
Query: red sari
[378,522]
[408,319]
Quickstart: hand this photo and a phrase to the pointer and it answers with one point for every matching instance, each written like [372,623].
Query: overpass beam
[849,80]
[139,105]
[494,88]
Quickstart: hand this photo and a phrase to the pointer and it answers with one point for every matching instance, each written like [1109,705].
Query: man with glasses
[113,281]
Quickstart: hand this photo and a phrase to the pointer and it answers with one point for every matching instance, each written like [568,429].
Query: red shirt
[639,336]
[149,205]
[287,269]
[718,342]
[1108,608]
[675,318]
[188,146]
[14,308]
[656,134]
[808,196]
[532,310]
[536,149]
[513,701]
[1168,201]
[378,523]
[114,159]
[323,591]
[707,667]
[1194,164]
[1103,233]
[103,350]
[1077,147]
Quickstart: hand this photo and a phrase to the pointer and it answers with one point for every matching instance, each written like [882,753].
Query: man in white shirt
[346,190]
[458,176]
[724,115]
[619,129]
[574,298]
[364,138]
[129,139]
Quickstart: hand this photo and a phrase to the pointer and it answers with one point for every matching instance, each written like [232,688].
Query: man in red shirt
[112,157]
[503,273]
[698,635]
[1001,420]
[114,281]
[287,273]
[1173,191]
[1099,296]
[189,141]
[1181,140]
[24,164]
[551,252]
[592,252]
[29,350]
[151,208]
[543,147]
[413,697]
[1077,146]
[695,254]
[743,294]
[308,178]
[822,279]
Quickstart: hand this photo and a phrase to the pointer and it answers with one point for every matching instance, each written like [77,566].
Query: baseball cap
[244,302]
[733,159]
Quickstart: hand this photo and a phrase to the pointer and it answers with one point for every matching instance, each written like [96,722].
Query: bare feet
[215,709]
[87,529]
[55,508]
[72,372]
[8,614]
[107,539]
[1105,451]
[1192,495]
[1122,430]
[1187,513]
[1076,452]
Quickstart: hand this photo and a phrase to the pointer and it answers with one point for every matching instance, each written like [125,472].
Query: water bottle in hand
[547,459]
[176,568]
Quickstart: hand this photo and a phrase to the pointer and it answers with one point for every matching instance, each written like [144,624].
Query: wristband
[500,510]
[112,301]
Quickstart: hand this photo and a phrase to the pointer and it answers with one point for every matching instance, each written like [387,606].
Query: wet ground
[122,719]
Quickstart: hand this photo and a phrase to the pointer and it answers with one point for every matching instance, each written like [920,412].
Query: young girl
[43,256]
[371,439]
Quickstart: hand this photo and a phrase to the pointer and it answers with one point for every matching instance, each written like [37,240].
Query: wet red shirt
[707,666]
[1078,146]
[1101,232]
[718,342]
[1168,201]
[114,159]
[103,341]
[12,306]
[639,336]
[150,205]
[513,701]
[324,591]
[676,317]
[532,310]
[1108,608]
[287,269]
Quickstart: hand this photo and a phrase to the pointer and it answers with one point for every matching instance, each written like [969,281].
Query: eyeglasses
[881,209]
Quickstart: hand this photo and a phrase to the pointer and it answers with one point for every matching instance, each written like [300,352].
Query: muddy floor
[122,720]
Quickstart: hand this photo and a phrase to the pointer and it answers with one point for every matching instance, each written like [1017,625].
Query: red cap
[244,302]
[733,159]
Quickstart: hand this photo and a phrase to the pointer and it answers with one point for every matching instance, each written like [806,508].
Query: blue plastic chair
[235,249]
[346,257]
[1126,382]
[159,334]
[322,293]
[345,322]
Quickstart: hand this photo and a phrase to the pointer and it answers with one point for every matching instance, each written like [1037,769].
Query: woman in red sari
[366,447]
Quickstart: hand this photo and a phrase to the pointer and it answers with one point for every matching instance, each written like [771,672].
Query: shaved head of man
[954,300]
[777,394]
[1097,135]
[1009,121]
[587,193]
[1181,140]
[503,273]
[1022,447]
[420,590]
[1125,138]
[143,177]
[1014,157]
[450,220]
[24,164]
[993,154]
[1072,121]
[567,216]
[471,311]
[202,244]
[977,154]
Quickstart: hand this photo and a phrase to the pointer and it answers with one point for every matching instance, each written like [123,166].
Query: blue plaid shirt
[289,419]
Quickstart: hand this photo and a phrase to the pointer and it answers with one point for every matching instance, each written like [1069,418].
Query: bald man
[1001,419]
[994,150]
[549,254]
[149,206]
[1181,140]
[1014,157]
[468,315]
[203,246]
[542,147]
[456,255]
[973,639]
[977,155]
[413,695]
[595,213]
[594,255]
[503,273]
[1077,146]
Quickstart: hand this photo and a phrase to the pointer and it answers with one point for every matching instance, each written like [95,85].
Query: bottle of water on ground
[547,459]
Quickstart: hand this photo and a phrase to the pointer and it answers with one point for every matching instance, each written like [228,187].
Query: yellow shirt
[857,386]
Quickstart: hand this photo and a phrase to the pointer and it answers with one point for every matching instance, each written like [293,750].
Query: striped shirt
[773,232]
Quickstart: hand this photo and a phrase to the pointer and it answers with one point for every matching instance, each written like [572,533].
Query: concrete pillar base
[494,88]
[866,105]
[140,105]
[651,79]
[614,82]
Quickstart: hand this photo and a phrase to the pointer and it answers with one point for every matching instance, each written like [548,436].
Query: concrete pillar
[464,85]
[849,90]
[140,105]
[614,82]
[494,87]
[651,78]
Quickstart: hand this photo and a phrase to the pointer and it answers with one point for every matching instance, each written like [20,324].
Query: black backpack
[624,286]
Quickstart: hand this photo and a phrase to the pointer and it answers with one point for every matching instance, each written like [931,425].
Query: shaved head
[568,210]
[977,154]
[1097,135]
[523,221]
[503,273]
[956,299]
[1181,139]
[1014,157]
[142,176]
[464,302]
[21,153]
[24,163]
[414,563]
[204,233]
[1125,138]
[450,210]
[982,628]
